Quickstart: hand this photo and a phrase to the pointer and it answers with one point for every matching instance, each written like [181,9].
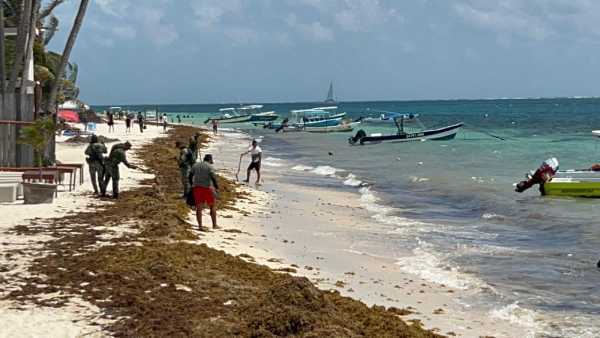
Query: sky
[245,51]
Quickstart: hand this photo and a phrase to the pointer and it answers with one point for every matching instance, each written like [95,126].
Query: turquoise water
[448,211]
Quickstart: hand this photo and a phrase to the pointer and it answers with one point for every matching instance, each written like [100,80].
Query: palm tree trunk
[51,104]
[2,66]
[22,34]
[30,41]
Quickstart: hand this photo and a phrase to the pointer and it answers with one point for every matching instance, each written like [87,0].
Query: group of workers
[102,168]
[199,180]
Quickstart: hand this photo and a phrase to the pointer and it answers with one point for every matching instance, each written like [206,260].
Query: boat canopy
[252,106]
[227,109]
[317,109]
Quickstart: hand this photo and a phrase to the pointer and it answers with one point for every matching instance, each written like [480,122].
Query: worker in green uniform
[193,146]
[111,166]
[95,160]
[185,160]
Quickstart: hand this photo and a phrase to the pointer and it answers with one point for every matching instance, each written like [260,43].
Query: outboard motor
[542,175]
[358,137]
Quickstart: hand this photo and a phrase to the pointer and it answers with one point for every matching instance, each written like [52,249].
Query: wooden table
[75,165]
[58,170]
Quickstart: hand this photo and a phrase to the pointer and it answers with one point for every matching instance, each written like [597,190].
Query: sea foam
[273,162]
[430,267]
[302,167]
[325,170]
[352,181]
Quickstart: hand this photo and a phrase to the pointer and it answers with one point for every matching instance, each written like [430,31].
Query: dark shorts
[255,166]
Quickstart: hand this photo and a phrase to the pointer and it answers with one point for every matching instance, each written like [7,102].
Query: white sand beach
[304,230]
[18,250]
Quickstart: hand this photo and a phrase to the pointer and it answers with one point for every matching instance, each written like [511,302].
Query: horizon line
[354,101]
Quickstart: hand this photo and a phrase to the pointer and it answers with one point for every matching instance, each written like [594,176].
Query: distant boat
[340,128]
[330,99]
[388,117]
[317,117]
[444,133]
[243,114]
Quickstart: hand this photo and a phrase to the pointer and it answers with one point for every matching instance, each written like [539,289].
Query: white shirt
[254,152]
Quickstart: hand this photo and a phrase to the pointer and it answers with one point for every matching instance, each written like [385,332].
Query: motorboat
[444,133]
[340,128]
[251,113]
[566,183]
[388,117]
[317,117]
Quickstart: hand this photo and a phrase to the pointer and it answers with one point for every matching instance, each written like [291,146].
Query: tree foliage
[38,135]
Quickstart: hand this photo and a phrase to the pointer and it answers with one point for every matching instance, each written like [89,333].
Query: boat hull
[234,119]
[329,122]
[263,117]
[341,128]
[571,189]
[446,133]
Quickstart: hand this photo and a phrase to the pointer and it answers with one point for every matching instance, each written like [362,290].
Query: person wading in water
[256,154]
[111,166]
[205,189]
[95,161]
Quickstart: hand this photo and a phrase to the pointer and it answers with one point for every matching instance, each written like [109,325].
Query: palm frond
[49,8]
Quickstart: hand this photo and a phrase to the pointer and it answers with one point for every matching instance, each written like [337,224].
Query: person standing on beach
[95,160]
[185,162]
[165,122]
[140,119]
[111,166]
[111,122]
[205,189]
[215,127]
[178,118]
[127,123]
[193,146]
[256,153]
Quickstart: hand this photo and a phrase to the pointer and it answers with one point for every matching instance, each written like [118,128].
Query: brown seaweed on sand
[155,283]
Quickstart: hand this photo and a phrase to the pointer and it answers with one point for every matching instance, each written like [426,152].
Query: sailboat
[330,99]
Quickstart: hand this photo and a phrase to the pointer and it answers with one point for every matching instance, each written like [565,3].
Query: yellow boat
[572,188]
[573,183]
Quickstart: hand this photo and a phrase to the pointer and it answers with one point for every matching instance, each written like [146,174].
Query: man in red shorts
[205,189]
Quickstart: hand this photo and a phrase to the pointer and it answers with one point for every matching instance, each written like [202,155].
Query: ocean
[447,209]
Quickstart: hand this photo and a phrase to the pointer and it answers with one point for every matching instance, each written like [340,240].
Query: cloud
[124,32]
[537,20]
[159,32]
[363,15]
[209,13]
[123,20]
[315,30]
[116,8]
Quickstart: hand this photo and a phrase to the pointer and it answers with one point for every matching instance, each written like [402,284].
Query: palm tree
[2,48]
[22,33]
[51,104]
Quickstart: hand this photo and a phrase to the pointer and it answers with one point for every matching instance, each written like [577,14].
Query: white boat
[317,117]
[596,133]
[243,114]
[340,128]
[388,117]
